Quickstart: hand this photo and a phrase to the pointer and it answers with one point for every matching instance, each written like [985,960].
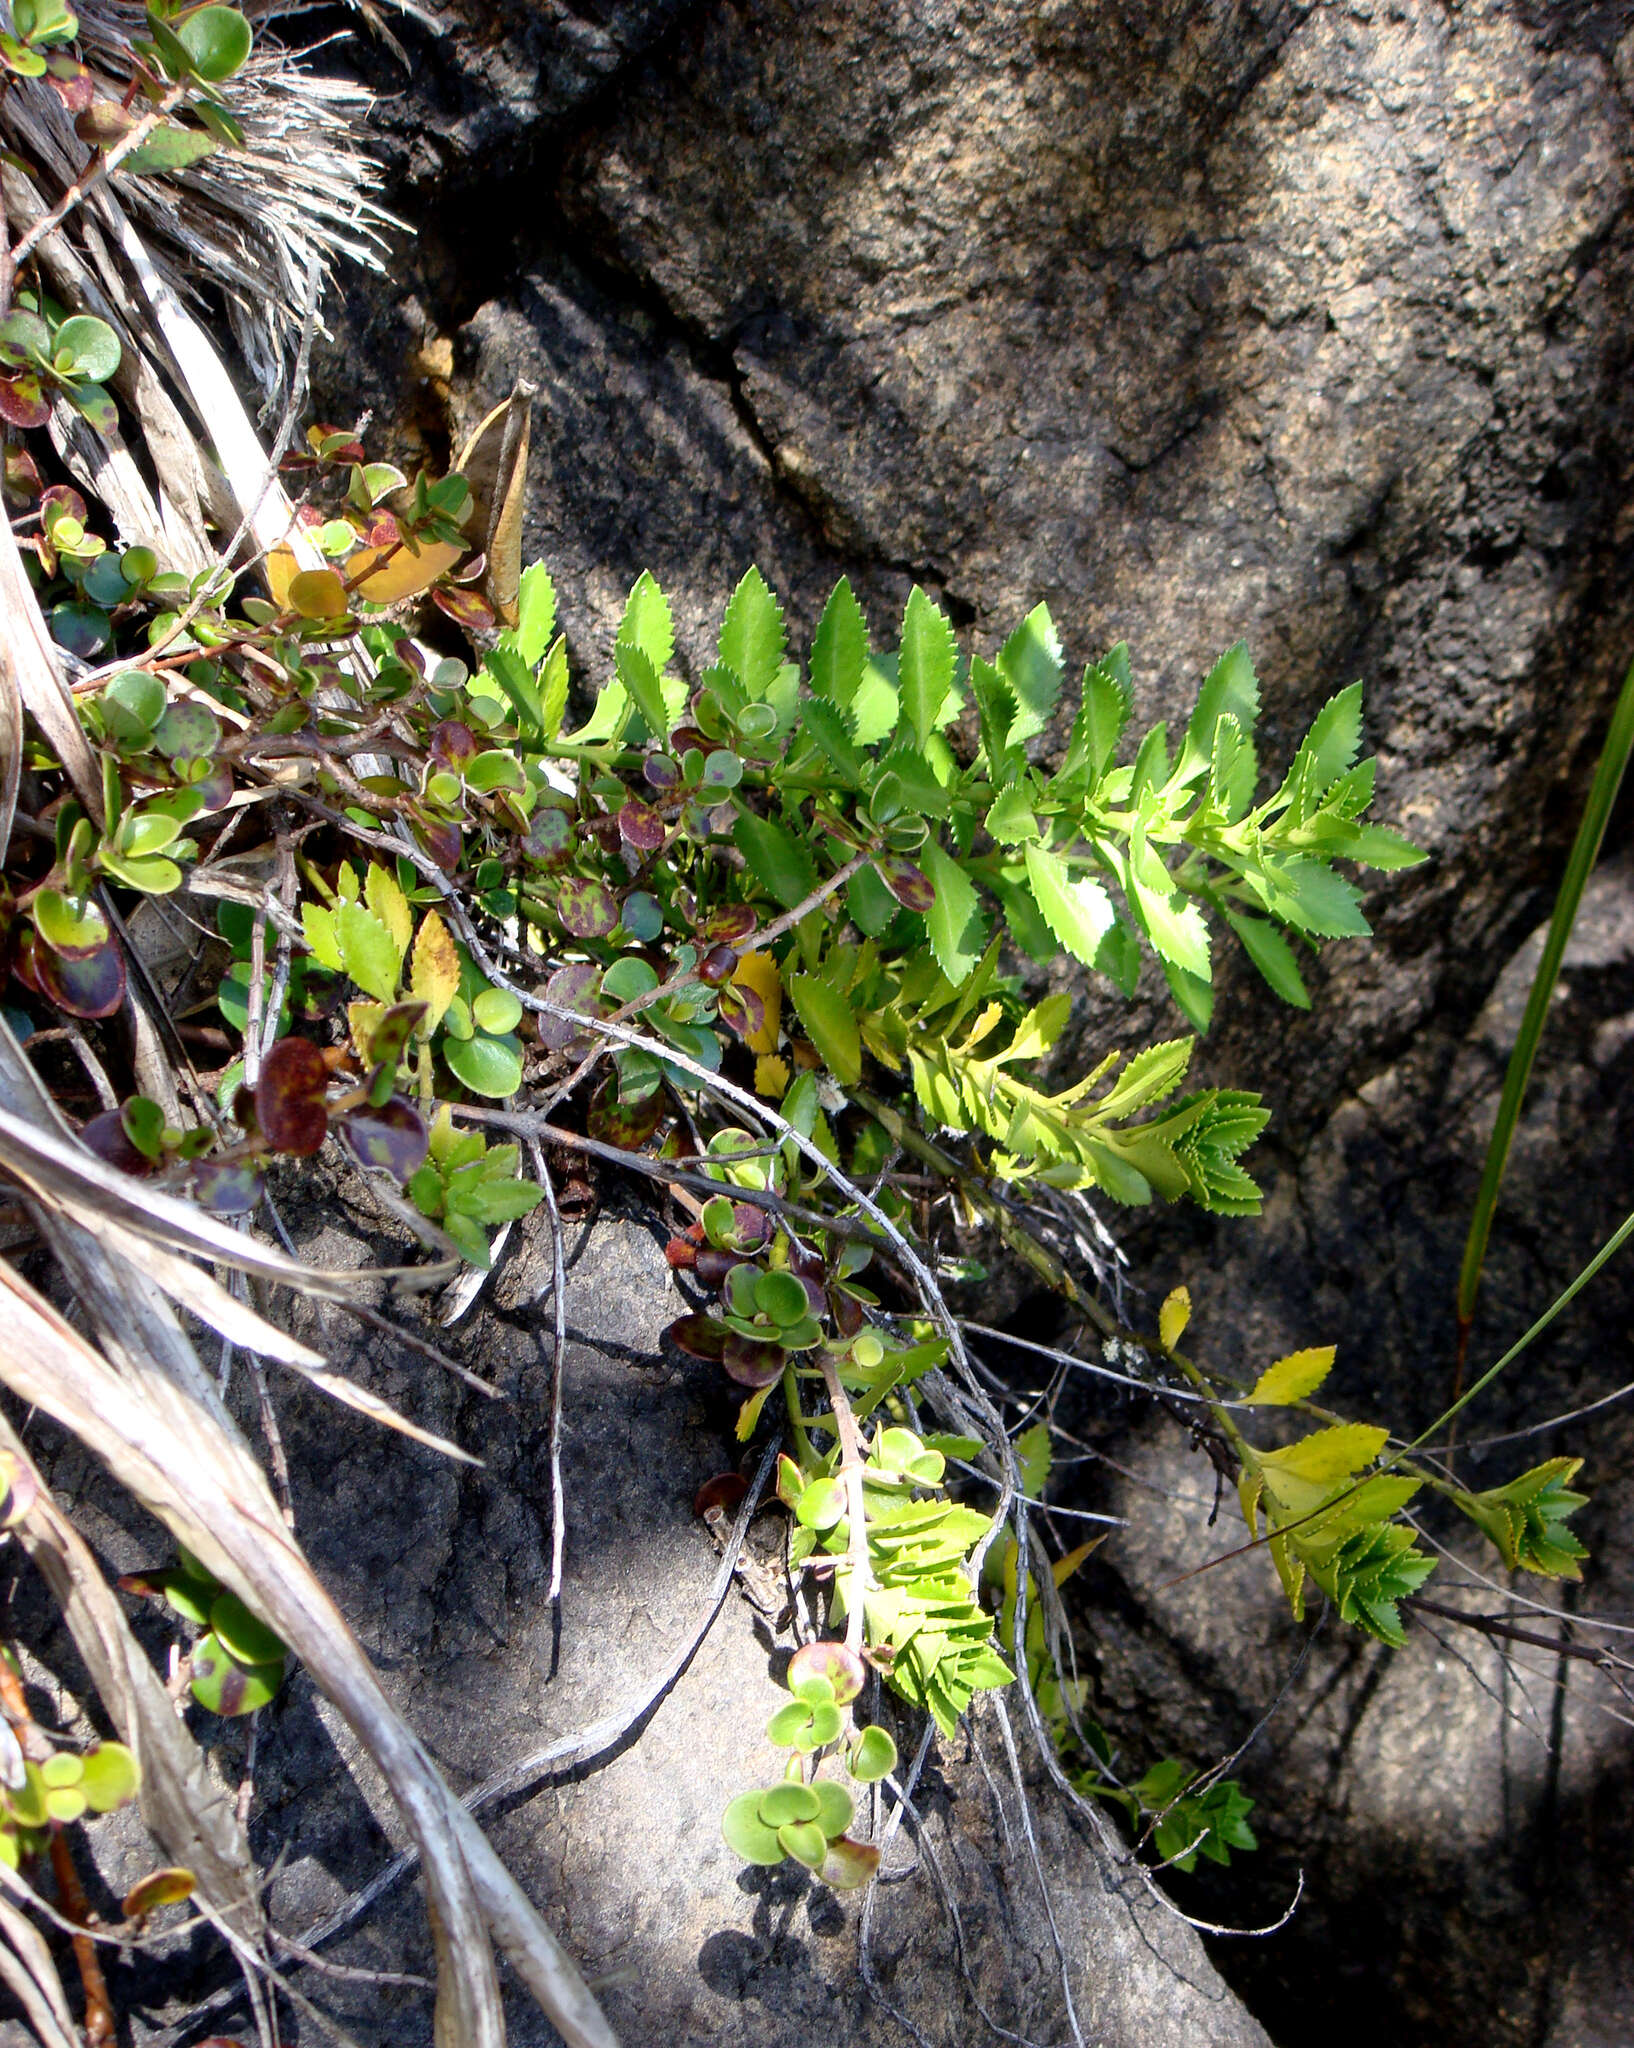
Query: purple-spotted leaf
[573,987]
[909,885]
[843,1669]
[393,1136]
[550,836]
[586,906]
[640,826]
[452,744]
[661,772]
[441,840]
[289,1097]
[91,986]
[226,1187]
[751,1363]
[699,1337]
[718,965]
[392,1031]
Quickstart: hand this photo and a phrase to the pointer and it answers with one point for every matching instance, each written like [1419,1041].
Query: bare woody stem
[859,1580]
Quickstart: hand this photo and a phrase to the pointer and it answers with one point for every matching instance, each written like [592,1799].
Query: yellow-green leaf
[386,899]
[370,954]
[1293,1378]
[1329,1454]
[1173,1317]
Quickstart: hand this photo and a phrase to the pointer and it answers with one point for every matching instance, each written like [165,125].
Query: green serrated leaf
[752,636]
[954,923]
[830,1023]
[776,858]
[840,650]
[646,624]
[1030,663]
[924,667]
[1079,912]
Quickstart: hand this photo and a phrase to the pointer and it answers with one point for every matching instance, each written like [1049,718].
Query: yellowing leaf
[404,574]
[1064,1567]
[1173,1317]
[361,1020]
[386,899]
[758,971]
[434,975]
[1292,1378]
[1329,1454]
[771,1076]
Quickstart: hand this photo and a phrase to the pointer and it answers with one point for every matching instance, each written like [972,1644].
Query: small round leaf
[746,1834]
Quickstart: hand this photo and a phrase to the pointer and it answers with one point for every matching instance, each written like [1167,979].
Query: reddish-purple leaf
[753,1226]
[71,81]
[442,841]
[226,1187]
[216,790]
[699,1337]
[586,906]
[626,1124]
[725,1490]
[728,926]
[719,964]
[549,838]
[92,986]
[847,1312]
[466,608]
[640,826]
[289,1097]
[712,1266]
[743,1010]
[23,402]
[62,499]
[393,1136]
[19,475]
[910,886]
[751,1363]
[452,744]
[843,1668]
[108,1139]
[392,1031]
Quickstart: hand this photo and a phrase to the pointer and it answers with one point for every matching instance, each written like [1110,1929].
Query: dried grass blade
[191,1478]
[180,1802]
[26,1965]
[25,654]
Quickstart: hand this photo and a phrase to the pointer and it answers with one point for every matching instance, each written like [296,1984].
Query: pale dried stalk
[198,1481]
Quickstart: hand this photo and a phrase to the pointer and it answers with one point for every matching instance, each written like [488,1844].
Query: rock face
[1307,325]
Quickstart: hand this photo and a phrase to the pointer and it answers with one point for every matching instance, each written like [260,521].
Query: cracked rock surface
[1308,324]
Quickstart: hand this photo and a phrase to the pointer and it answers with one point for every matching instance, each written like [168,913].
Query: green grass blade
[1585,851]
[1608,1251]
